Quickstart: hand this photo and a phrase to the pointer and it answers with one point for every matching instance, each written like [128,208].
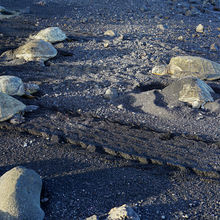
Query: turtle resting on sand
[5,13]
[51,34]
[36,50]
[191,90]
[11,108]
[13,85]
[182,66]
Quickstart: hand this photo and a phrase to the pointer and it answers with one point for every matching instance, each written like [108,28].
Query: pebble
[180,38]
[120,106]
[200,28]
[106,43]
[214,47]
[110,33]
[110,93]
[161,27]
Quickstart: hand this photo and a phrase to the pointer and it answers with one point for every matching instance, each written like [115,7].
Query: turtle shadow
[68,183]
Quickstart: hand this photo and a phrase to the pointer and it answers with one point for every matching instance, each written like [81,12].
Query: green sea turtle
[11,108]
[191,90]
[13,85]
[35,50]
[182,66]
[5,13]
[51,34]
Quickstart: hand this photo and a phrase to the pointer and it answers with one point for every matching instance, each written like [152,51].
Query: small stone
[180,38]
[110,33]
[111,93]
[163,217]
[161,27]
[123,212]
[200,28]
[120,106]
[44,200]
[93,217]
[106,43]
[214,47]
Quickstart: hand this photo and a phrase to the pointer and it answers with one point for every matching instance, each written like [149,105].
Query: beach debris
[182,66]
[191,90]
[50,34]
[20,190]
[13,85]
[36,50]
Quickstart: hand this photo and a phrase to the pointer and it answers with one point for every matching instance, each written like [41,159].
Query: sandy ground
[86,148]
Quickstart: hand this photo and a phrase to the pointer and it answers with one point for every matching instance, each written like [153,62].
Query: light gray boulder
[20,190]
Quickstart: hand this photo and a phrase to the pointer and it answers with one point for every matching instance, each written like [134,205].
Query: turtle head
[160,70]
[31,88]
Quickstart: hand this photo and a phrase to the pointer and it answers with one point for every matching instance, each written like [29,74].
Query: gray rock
[123,212]
[20,190]
[111,93]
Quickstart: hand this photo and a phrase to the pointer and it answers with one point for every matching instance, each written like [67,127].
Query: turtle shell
[36,50]
[51,34]
[11,85]
[9,106]
[182,66]
[190,90]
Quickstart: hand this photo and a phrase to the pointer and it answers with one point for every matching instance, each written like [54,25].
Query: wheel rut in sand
[134,143]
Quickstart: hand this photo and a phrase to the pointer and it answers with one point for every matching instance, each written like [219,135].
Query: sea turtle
[5,13]
[35,50]
[182,66]
[191,90]
[51,34]
[13,85]
[11,108]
